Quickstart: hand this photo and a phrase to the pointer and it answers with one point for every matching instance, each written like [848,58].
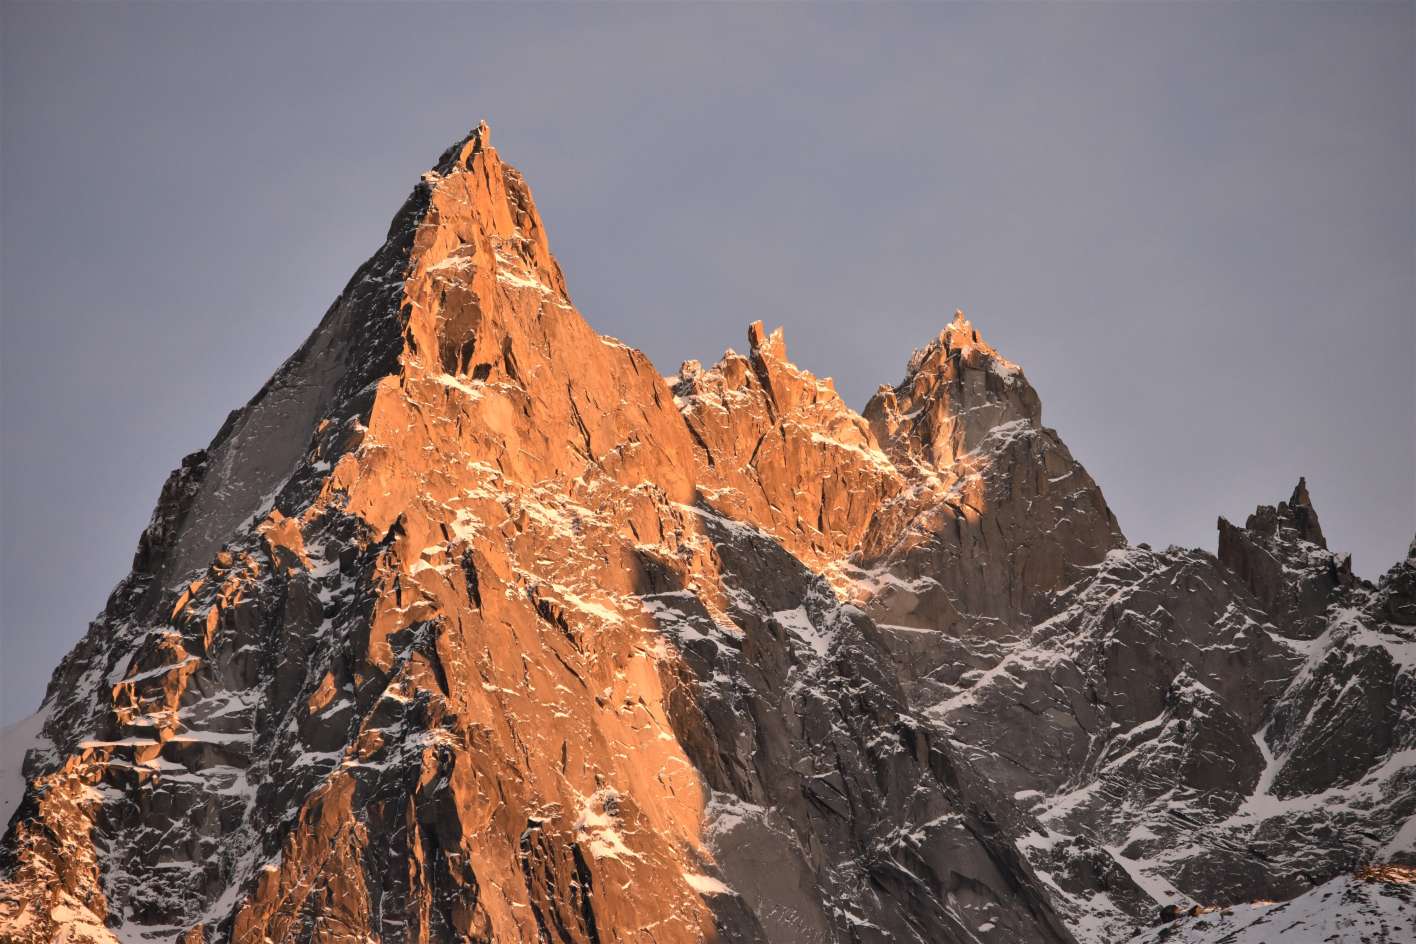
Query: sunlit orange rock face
[471,626]
[777,447]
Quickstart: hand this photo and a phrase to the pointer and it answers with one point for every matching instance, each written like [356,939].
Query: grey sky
[1193,224]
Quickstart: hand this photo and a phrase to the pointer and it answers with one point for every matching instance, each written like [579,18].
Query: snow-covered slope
[15,741]
[1345,910]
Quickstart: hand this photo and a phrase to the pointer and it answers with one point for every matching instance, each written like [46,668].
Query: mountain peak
[468,627]
[1283,557]
[960,338]
[956,389]
[1304,516]
[759,340]
[461,152]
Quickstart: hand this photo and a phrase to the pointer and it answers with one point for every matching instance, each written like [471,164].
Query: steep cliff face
[956,568]
[471,626]
[1208,737]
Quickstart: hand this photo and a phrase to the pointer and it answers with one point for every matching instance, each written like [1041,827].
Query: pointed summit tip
[481,135]
[477,139]
[756,335]
[1305,516]
[960,328]
[759,340]
[465,148]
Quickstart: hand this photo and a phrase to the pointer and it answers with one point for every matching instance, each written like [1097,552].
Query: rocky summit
[473,626]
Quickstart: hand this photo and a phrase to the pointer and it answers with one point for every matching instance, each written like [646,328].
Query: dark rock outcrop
[1282,557]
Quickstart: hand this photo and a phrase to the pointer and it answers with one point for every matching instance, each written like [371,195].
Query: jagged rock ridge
[471,626]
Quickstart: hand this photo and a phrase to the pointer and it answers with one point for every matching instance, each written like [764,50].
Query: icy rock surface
[472,626]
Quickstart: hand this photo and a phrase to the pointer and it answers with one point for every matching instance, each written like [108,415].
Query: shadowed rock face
[471,626]
[1220,745]
[1282,557]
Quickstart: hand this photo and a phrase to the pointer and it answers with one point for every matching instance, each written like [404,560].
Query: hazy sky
[1193,224]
